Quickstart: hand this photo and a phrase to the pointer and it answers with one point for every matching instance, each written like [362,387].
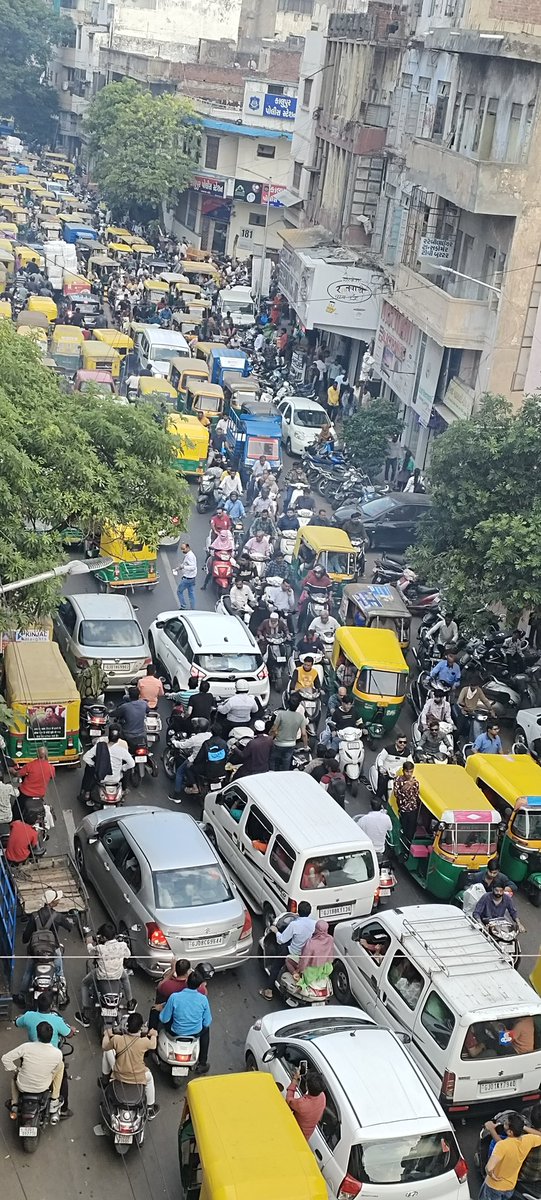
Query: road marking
[172,579]
[70,825]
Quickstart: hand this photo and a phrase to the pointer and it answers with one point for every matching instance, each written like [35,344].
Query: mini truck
[254,430]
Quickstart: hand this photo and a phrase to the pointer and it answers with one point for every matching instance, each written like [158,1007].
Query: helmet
[319,569]
[273,616]
[204,971]
[242,685]
[200,724]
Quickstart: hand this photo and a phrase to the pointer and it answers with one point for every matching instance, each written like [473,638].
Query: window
[297,175]
[191,887]
[307,92]
[258,828]
[265,151]
[513,132]
[385,683]
[122,634]
[122,855]
[374,939]
[234,802]
[478,124]
[282,858]
[406,980]
[337,870]
[489,124]
[67,615]
[526,823]
[241,664]
[501,1039]
[440,111]
[404,1159]
[212,151]
[329,1126]
[256,219]
[437,1019]
[173,628]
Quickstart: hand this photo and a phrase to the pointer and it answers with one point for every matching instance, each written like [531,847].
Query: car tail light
[147,661]
[155,935]
[262,674]
[461,1170]
[292,906]
[448,1085]
[81,663]
[349,1187]
[247,927]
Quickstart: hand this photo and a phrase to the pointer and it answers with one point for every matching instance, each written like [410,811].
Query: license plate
[123,667]
[140,758]
[201,943]
[338,910]
[352,745]
[384,891]
[109,1012]
[500,1085]
[125,1139]
[215,787]
[28,1131]
[179,1070]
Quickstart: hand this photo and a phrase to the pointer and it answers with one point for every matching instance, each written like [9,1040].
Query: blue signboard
[280,106]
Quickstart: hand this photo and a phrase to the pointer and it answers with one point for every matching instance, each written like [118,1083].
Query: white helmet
[242,685]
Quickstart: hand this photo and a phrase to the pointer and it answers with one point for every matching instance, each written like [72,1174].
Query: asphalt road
[73,1160]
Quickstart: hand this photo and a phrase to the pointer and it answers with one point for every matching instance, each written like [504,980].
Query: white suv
[302,421]
[211,646]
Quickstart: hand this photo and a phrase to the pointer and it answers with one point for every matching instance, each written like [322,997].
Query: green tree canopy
[30,29]
[366,434]
[482,538]
[67,460]
[144,147]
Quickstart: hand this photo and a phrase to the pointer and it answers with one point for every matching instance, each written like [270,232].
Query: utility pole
[264,249]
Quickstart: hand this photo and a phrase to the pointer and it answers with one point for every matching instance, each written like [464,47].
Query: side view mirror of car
[269,1055]
[92,841]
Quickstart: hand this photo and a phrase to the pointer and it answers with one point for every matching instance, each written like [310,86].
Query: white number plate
[500,1085]
[179,1070]
[125,1139]
[215,787]
[384,891]
[28,1131]
[109,1012]
[339,910]
[202,943]
[140,758]
[122,667]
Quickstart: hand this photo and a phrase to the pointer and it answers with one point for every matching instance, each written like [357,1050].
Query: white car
[212,646]
[382,1130]
[302,421]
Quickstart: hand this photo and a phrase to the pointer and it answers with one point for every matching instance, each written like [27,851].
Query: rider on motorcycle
[317,581]
[436,707]
[435,744]
[36,1067]
[46,919]
[131,713]
[109,954]
[241,597]
[496,905]
[97,763]
[273,627]
[316,961]
[389,762]
[220,520]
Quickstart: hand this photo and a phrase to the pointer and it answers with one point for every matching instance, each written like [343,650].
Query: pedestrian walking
[188,573]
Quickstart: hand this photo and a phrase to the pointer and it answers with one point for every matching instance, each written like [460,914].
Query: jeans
[180,775]
[281,757]
[488,1193]
[186,585]
[390,468]
[29,968]
[107,1066]
[88,988]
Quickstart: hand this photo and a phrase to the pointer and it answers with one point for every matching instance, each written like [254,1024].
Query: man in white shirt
[240,708]
[241,597]
[259,341]
[324,626]
[121,761]
[230,483]
[193,744]
[36,1066]
[377,825]
[188,576]
[110,955]
[280,599]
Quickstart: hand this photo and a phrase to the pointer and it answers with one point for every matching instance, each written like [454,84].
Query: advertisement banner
[396,350]
[46,721]
[429,373]
[208,184]
[284,107]
[76,285]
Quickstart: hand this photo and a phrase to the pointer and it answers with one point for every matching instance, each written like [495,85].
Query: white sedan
[302,421]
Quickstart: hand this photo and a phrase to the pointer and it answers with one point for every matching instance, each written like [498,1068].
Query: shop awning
[445,413]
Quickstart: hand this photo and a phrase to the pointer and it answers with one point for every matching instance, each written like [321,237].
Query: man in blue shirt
[447,671]
[293,940]
[489,742]
[496,905]
[187,1014]
[30,1021]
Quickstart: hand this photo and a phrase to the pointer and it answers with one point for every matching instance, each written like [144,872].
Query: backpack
[43,940]
[336,786]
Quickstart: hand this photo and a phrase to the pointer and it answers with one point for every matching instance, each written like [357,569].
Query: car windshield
[191,887]
[326,1025]
[110,633]
[164,353]
[240,309]
[404,1160]
[375,508]
[526,823]
[337,870]
[310,418]
[382,683]
[240,664]
[465,838]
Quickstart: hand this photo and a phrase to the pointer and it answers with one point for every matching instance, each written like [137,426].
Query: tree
[144,148]
[65,460]
[30,29]
[482,538]
[366,434]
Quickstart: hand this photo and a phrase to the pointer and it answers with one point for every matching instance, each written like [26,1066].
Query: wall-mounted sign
[208,185]
[349,291]
[284,107]
[249,191]
[436,249]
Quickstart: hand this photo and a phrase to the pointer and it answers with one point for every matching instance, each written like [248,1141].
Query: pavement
[73,1159]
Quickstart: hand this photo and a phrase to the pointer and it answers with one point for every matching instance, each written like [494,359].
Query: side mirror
[160,624]
[403,1037]
[92,841]
[269,1055]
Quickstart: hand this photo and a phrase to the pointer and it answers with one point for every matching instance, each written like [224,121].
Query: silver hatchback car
[161,881]
[89,627]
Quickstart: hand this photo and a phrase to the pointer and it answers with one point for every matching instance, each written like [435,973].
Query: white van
[475,1024]
[158,347]
[238,302]
[287,840]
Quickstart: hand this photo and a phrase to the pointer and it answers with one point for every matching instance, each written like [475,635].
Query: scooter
[94,722]
[392,767]
[447,750]
[222,568]
[276,660]
[527,734]
[351,756]
[520,692]
[415,595]
[153,727]
[287,544]
[504,934]
[144,761]
[177,1055]
[44,979]
[293,992]
[33,1114]
[124,1114]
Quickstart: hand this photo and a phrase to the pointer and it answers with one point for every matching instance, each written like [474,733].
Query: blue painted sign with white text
[284,107]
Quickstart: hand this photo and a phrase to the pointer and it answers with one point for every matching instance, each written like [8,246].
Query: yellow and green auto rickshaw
[191,444]
[45,305]
[116,233]
[155,290]
[44,702]
[113,337]
[321,545]
[457,830]
[5,309]
[370,663]
[512,783]
[152,389]
[134,564]
[376,606]
[66,348]
[98,356]
[205,398]
[181,371]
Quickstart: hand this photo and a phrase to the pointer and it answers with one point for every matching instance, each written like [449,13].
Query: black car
[390,522]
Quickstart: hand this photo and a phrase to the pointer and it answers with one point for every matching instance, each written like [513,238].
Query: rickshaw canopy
[512,776]
[114,338]
[153,385]
[208,397]
[34,320]
[43,304]
[452,796]
[375,648]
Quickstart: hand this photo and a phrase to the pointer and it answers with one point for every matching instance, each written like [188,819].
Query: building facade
[76,71]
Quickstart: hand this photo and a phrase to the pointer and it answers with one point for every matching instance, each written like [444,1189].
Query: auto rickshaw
[144,249]
[8,229]
[37,335]
[457,830]
[181,371]
[5,309]
[66,348]
[204,350]
[206,398]
[116,233]
[191,444]
[154,390]
[376,606]
[119,250]
[238,388]
[203,269]
[101,381]
[512,783]
[113,337]
[44,702]
[327,547]
[371,664]
[134,564]
[32,320]
[98,356]
[155,290]
[43,304]
[28,254]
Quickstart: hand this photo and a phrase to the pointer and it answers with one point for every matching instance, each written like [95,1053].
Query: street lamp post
[75,567]
[264,247]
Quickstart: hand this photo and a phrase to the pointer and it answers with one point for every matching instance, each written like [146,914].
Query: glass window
[329,1126]
[473,839]
[297,175]
[438,1019]
[405,979]
[338,562]
[110,633]
[337,870]
[307,91]
[258,828]
[384,683]
[375,508]
[173,628]
[309,418]
[234,802]
[405,1159]
[374,939]
[67,615]
[501,1039]
[266,151]
[282,858]
[191,887]
[241,664]
[211,152]
[526,823]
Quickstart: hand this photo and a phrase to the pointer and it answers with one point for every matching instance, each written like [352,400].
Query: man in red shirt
[307,1110]
[36,775]
[21,841]
[174,981]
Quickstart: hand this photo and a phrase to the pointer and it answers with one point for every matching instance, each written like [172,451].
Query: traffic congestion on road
[270,813]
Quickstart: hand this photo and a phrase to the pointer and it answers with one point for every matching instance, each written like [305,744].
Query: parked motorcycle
[527,733]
